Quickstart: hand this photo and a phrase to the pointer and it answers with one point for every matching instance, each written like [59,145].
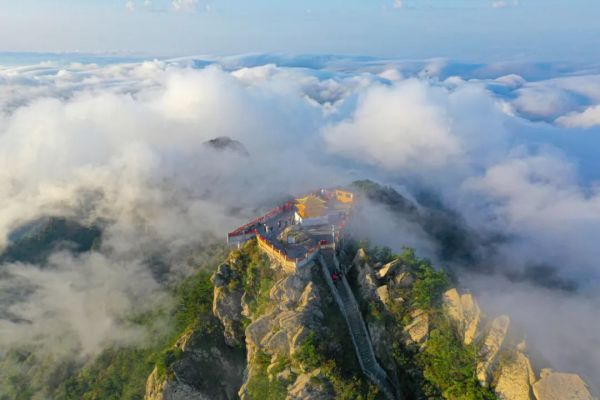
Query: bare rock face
[310,386]
[515,377]
[472,315]
[205,368]
[257,331]
[295,314]
[388,269]
[491,346]
[560,386]
[464,313]
[162,389]
[383,294]
[418,329]
[453,307]
[288,291]
[366,275]
[227,304]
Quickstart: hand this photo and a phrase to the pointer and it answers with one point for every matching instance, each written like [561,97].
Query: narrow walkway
[356,325]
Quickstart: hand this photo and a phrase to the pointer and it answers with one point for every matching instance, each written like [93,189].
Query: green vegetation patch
[445,367]
[259,386]
[450,365]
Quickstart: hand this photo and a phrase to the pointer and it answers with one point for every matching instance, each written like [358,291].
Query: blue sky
[460,29]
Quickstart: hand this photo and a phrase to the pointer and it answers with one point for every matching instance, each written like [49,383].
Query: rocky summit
[288,335]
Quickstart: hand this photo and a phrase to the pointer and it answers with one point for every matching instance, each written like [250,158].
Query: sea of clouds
[512,147]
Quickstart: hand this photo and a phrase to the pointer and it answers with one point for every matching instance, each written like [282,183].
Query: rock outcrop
[383,294]
[515,377]
[227,303]
[201,367]
[464,313]
[367,281]
[310,386]
[502,365]
[158,388]
[560,386]
[490,348]
[388,269]
[418,329]
[295,313]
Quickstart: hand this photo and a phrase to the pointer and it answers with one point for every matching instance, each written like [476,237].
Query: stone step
[358,332]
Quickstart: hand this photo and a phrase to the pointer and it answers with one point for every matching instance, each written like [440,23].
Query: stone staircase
[356,325]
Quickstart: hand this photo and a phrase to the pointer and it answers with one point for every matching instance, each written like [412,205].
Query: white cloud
[504,3]
[537,199]
[130,5]
[185,5]
[133,157]
[419,129]
[398,3]
[124,144]
[79,305]
[544,101]
[586,119]
[394,127]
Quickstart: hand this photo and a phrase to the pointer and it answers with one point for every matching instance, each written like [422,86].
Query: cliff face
[199,366]
[278,335]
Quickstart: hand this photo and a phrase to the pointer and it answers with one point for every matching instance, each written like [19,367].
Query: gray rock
[561,386]
[227,307]
[491,346]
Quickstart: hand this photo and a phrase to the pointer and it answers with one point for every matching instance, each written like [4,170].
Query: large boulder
[418,329]
[514,377]
[464,313]
[490,348]
[560,386]
[388,269]
[383,294]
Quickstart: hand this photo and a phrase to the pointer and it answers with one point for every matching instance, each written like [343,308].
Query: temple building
[344,196]
[311,210]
